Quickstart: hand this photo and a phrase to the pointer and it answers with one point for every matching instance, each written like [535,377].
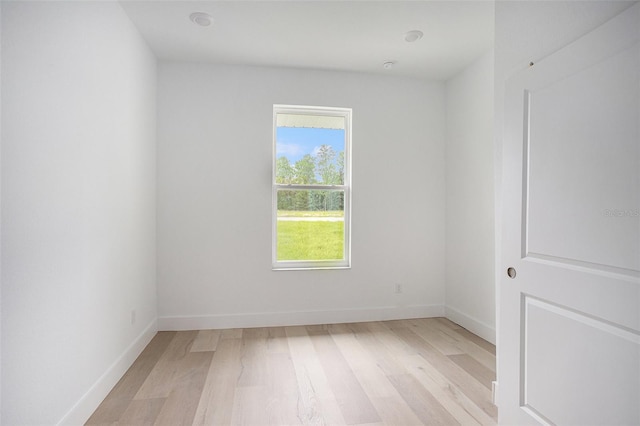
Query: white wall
[470,280]
[78,206]
[528,31]
[214,198]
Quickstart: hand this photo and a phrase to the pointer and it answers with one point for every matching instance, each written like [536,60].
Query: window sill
[308,268]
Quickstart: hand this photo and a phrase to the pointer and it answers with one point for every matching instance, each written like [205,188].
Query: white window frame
[345,263]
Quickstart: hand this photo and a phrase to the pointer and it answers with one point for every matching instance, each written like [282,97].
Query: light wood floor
[423,371]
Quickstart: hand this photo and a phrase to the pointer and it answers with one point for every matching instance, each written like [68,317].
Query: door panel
[558,386]
[569,321]
[579,208]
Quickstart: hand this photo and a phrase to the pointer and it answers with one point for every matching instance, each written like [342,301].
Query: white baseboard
[83,409]
[275,319]
[479,328]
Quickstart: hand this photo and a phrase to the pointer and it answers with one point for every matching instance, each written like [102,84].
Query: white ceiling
[332,35]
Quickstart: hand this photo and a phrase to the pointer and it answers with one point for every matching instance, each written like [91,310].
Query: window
[311,187]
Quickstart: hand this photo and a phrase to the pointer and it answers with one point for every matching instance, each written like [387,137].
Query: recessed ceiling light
[388,65]
[201,18]
[413,35]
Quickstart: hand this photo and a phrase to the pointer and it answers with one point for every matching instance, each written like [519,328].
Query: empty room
[320,212]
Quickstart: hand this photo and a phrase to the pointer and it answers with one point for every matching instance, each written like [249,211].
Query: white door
[569,320]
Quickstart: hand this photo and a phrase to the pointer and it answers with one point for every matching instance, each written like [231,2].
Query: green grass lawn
[314,240]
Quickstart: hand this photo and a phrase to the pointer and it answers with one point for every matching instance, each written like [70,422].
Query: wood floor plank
[379,338]
[402,372]
[253,357]
[182,403]
[206,341]
[142,412]
[277,340]
[120,397]
[389,343]
[428,330]
[215,406]
[447,322]
[396,351]
[473,367]
[231,333]
[450,396]
[355,405]
[274,403]
[456,375]
[421,401]
[282,390]
[159,382]
[249,405]
[487,346]
[458,404]
[362,361]
[468,347]
[381,392]
[317,329]
[267,390]
[394,413]
[317,404]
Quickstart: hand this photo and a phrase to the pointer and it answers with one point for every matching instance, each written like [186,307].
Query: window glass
[310,225]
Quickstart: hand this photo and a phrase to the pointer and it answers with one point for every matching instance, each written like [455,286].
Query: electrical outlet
[133,316]
[398,288]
